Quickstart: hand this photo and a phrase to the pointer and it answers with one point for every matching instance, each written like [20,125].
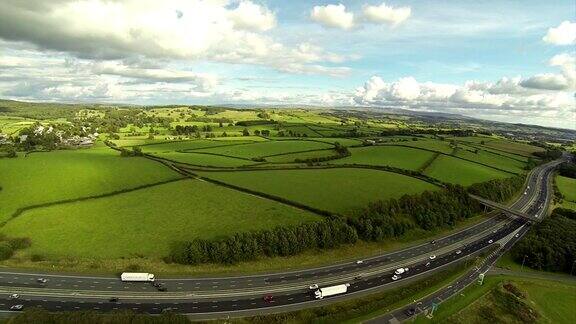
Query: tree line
[551,245]
[498,190]
[379,221]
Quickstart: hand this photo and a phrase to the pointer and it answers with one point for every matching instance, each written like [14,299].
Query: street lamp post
[523,259]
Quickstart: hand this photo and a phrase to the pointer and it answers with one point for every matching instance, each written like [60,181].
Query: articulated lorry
[331,291]
[137,276]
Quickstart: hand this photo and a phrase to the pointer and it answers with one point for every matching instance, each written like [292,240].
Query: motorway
[235,296]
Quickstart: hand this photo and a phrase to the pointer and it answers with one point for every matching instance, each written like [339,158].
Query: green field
[514,147]
[53,176]
[395,156]
[208,160]
[145,222]
[453,170]
[430,144]
[337,190]
[492,159]
[290,157]
[188,145]
[269,148]
[567,187]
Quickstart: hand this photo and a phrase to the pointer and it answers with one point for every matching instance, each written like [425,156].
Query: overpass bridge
[503,208]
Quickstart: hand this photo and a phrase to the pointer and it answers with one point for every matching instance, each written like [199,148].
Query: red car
[268,298]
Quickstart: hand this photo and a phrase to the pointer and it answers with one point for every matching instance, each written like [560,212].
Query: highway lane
[189,305]
[538,208]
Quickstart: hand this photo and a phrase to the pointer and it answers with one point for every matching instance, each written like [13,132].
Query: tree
[245,132]
[257,132]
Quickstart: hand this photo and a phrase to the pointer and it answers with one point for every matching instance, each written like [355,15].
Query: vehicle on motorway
[458,252]
[137,276]
[490,241]
[410,312]
[16,307]
[401,271]
[162,288]
[14,296]
[331,291]
[359,277]
[433,242]
[268,298]
[313,287]
[433,256]
[427,264]
[359,261]
[113,299]
[42,280]
[396,277]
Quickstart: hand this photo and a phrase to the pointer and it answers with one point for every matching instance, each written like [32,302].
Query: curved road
[218,297]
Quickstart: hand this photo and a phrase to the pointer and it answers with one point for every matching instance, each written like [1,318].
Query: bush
[18,243]
[37,258]
[6,251]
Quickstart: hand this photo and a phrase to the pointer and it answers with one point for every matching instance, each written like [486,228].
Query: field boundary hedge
[21,210]
[454,156]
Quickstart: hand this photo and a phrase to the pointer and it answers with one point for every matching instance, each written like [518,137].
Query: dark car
[268,298]
[410,312]
[161,288]
[113,299]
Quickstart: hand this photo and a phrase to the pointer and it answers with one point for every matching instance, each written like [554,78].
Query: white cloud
[386,14]
[253,17]
[564,34]
[333,16]
[506,97]
[191,30]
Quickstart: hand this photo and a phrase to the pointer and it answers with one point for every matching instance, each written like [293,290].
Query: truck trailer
[137,276]
[331,291]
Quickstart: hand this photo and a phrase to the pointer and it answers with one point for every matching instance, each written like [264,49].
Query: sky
[511,61]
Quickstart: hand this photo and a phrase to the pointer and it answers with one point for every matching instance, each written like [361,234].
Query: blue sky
[500,60]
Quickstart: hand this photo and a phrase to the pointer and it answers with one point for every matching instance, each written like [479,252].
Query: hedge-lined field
[458,171]
[567,187]
[395,156]
[188,145]
[146,221]
[492,159]
[267,148]
[204,159]
[514,147]
[52,176]
[337,190]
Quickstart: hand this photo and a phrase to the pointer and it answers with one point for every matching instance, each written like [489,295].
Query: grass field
[52,176]
[145,222]
[267,148]
[208,160]
[290,157]
[430,144]
[452,170]
[492,159]
[513,147]
[554,300]
[338,190]
[395,156]
[188,145]
[567,187]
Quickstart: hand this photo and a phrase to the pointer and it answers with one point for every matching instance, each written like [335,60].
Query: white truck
[137,276]
[331,291]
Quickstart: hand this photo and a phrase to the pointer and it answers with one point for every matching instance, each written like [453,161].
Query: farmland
[40,178]
[129,205]
[567,187]
[337,190]
[144,222]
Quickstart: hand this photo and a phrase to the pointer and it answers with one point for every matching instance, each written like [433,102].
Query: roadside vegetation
[509,299]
